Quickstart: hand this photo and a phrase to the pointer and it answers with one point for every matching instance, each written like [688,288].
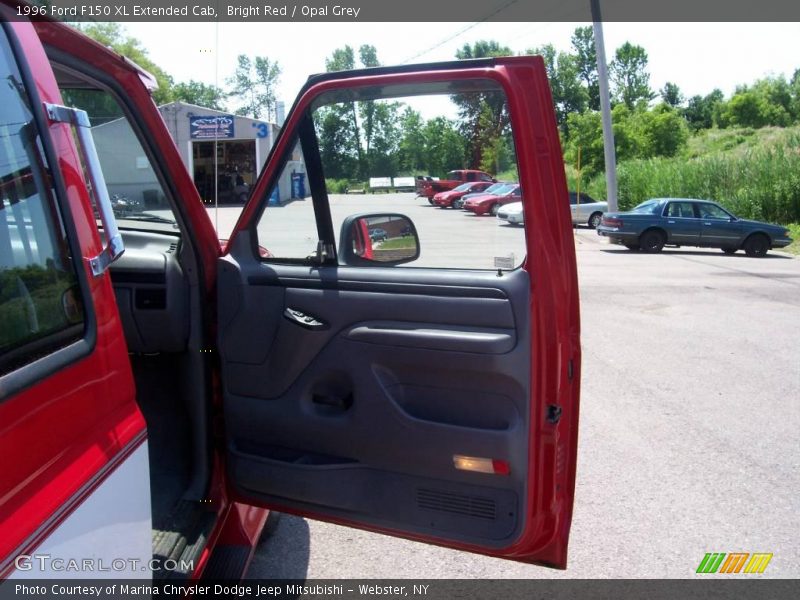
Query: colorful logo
[735,562]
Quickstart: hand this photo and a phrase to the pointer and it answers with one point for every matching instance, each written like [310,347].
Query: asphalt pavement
[689,430]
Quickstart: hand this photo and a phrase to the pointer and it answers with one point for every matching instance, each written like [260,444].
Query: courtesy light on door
[481,465]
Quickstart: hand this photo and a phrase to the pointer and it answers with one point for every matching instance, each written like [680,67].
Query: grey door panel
[434,336]
[361,417]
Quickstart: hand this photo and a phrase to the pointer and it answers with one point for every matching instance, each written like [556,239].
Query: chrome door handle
[300,318]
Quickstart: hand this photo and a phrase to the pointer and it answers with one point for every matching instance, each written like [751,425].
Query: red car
[490,203]
[446,199]
[159,393]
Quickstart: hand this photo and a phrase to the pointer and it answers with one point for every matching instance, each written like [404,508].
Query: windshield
[510,191]
[494,188]
[649,207]
[464,187]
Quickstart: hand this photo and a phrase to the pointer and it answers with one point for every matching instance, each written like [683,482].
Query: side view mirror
[378,239]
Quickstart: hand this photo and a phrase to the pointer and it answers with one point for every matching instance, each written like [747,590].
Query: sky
[698,57]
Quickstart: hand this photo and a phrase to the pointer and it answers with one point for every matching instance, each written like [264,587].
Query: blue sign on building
[210,127]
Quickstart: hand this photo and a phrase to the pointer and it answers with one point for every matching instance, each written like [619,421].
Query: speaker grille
[470,506]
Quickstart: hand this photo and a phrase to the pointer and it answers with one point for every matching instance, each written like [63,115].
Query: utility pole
[605,108]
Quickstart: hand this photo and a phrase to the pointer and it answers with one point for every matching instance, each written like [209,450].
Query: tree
[196,92]
[444,146]
[569,95]
[795,91]
[629,75]
[671,94]
[661,131]
[113,35]
[368,56]
[253,84]
[337,152]
[382,157]
[699,111]
[411,152]
[767,102]
[586,63]
[484,115]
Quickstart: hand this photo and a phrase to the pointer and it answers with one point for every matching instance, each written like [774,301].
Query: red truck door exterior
[73,439]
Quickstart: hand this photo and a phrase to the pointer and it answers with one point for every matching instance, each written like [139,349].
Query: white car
[511,213]
[586,212]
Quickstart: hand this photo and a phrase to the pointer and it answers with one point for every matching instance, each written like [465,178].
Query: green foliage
[484,116]
[586,64]
[336,143]
[758,182]
[483,49]
[638,133]
[30,302]
[196,92]
[767,102]
[411,153]
[671,94]
[628,73]
[794,233]
[563,73]
[359,120]
[444,146]
[337,186]
[253,84]
[113,34]
[700,110]
[660,132]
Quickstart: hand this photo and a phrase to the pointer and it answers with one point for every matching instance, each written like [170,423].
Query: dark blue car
[690,222]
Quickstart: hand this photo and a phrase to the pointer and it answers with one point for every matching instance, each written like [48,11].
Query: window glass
[648,208]
[39,301]
[287,228]
[712,211]
[432,137]
[137,196]
[681,210]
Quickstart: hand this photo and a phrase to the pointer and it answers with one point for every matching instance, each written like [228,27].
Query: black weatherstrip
[316,180]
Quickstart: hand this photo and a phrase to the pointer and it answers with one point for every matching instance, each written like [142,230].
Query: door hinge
[553,413]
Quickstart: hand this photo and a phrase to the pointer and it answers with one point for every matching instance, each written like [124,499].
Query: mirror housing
[378,240]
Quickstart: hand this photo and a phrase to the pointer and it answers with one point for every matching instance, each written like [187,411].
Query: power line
[461,31]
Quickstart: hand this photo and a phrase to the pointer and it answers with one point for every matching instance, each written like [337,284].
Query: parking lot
[690,421]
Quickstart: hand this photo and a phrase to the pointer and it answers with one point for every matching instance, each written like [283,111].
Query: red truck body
[349,437]
[428,187]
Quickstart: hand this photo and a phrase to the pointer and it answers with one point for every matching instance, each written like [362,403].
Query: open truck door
[428,401]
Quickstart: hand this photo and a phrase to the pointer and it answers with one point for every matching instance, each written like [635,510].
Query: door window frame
[60,354]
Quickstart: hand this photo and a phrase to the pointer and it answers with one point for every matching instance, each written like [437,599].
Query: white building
[242,145]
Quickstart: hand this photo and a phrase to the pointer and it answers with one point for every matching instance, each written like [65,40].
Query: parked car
[690,222]
[511,214]
[378,234]
[446,199]
[491,203]
[586,212]
[428,187]
[492,189]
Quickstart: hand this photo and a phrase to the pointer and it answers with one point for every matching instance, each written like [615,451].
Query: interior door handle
[303,320]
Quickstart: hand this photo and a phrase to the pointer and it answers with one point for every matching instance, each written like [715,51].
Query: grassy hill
[753,172]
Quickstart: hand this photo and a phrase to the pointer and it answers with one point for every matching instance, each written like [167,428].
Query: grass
[753,173]
[794,247]
[401,243]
